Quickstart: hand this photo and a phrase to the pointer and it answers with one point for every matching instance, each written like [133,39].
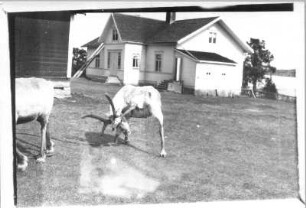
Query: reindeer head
[117,121]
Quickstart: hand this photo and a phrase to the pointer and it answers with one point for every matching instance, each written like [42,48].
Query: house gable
[133,28]
[202,35]
[224,43]
[109,29]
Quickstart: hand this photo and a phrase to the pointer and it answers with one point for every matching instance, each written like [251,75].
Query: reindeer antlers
[111,103]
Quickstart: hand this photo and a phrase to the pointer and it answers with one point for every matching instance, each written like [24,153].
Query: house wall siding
[216,79]
[188,71]
[168,63]
[131,75]
[92,71]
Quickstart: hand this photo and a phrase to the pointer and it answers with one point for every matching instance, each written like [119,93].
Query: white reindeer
[34,101]
[133,102]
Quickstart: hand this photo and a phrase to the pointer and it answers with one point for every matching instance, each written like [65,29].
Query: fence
[276,96]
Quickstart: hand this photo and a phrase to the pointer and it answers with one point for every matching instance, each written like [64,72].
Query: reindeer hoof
[126,141]
[41,159]
[50,149]
[163,153]
[23,166]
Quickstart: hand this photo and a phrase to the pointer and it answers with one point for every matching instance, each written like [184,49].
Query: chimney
[170,17]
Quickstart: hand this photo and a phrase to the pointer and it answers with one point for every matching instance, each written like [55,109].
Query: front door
[114,62]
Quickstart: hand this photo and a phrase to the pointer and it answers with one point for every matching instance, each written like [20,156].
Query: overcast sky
[282,31]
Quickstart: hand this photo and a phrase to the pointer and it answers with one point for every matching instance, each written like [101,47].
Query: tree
[78,60]
[257,64]
[270,89]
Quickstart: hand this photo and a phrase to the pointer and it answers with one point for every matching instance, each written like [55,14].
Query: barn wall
[41,44]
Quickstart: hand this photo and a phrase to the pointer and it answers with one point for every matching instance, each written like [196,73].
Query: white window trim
[138,61]
[161,61]
[212,37]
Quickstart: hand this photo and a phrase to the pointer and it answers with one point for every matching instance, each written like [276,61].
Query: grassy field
[218,149]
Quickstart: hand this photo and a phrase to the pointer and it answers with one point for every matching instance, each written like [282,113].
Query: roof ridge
[140,17]
[215,17]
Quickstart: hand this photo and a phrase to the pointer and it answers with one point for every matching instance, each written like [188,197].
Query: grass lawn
[218,149]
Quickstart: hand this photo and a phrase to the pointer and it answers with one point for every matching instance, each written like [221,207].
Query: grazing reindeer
[134,102]
[34,101]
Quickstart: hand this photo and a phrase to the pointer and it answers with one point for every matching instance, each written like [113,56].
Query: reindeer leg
[50,143]
[116,136]
[43,121]
[159,116]
[22,160]
[126,137]
[103,128]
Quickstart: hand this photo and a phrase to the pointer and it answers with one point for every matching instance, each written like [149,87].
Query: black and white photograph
[152,103]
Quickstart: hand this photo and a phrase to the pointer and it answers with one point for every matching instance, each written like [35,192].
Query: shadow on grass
[96,140]
[27,145]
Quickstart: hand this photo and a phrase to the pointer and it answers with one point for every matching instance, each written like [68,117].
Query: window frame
[158,62]
[212,38]
[97,61]
[119,60]
[136,61]
[115,35]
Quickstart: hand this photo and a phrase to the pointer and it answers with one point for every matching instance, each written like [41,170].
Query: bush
[270,89]
[78,60]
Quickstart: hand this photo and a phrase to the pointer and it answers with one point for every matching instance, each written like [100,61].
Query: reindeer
[34,101]
[133,102]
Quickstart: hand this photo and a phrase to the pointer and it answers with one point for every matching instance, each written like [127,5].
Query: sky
[282,31]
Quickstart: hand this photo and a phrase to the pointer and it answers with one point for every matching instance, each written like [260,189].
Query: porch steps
[163,85]
[113,80]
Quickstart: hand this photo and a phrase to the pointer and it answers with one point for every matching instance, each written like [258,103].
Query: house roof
[137,29]
[207,56]
[146,30]
[92,44]
[180,29]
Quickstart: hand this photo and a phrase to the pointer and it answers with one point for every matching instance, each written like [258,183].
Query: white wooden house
[204,54]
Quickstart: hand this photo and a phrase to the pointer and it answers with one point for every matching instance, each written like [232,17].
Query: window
[158,62]
[115,34]
[97,61]
[108,60]
[212,37]
[136,61]
[119,60]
